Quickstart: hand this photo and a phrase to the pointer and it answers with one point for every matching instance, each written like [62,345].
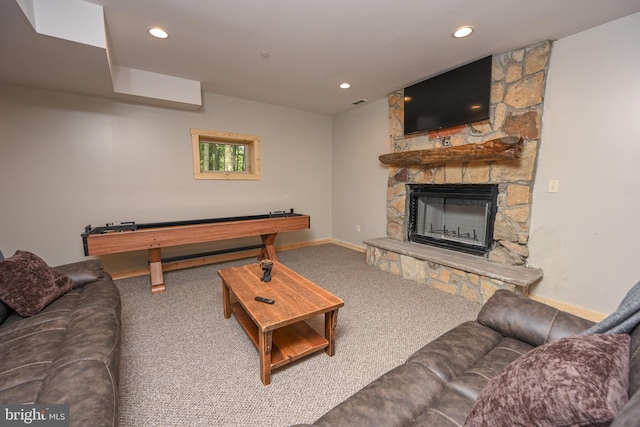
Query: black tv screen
[453,98]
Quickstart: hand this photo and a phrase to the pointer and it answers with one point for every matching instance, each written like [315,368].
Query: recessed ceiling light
[345,85]
[463,31]
[158,32]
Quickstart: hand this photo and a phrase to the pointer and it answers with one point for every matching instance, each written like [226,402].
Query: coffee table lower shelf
[289,343]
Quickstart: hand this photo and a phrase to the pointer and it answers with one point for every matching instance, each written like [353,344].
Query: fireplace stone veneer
[517,94]
[470,276]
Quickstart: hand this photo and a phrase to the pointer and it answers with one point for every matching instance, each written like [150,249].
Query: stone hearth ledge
[519,277]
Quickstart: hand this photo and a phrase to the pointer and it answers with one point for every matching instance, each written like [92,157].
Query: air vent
[359,101]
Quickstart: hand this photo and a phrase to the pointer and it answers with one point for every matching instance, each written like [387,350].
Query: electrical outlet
[358,228]
[552,186]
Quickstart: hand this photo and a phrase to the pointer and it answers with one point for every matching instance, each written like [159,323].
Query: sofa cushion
[572,381]
[28,284]
[453,352]
[393,399]
[5,311]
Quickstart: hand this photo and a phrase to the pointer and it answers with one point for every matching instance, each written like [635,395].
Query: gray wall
[585,237]
[359,190]
[67,161]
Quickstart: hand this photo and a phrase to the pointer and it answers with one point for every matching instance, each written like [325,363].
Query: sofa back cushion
[528,320]
[83,272]
[630,414]
[634,362]
[5,311]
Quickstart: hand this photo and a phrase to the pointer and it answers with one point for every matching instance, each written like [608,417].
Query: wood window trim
[251,141]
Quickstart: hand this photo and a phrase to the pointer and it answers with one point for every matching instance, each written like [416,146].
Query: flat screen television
[457,97]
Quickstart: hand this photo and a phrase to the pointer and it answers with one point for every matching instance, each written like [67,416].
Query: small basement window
[225,155]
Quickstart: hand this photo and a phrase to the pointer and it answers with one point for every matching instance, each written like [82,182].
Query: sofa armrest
[527,320]
[83,272]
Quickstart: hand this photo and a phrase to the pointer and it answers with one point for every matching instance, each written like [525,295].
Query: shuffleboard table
[129,236]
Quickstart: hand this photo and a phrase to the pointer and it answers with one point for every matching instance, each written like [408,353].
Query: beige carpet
[183,364]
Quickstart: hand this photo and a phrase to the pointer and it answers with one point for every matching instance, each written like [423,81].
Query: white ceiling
[377,46]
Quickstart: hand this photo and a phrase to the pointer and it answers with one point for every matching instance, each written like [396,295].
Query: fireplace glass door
[458,217]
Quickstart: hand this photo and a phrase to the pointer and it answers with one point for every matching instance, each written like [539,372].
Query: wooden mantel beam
[506,148]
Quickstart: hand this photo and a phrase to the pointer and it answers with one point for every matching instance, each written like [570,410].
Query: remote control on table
[265,300]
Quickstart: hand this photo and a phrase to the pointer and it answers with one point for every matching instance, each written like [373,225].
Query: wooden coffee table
[278,330]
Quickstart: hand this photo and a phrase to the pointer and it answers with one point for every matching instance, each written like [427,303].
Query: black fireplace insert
[453,216]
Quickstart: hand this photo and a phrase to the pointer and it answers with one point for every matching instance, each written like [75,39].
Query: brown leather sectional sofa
[68,353]
[439,384]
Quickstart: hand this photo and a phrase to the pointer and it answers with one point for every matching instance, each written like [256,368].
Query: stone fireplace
[517,89]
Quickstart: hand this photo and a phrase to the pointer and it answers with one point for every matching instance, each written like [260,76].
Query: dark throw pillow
[28,284]
[573,381]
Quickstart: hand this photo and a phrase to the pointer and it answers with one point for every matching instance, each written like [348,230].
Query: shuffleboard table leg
[155,268]
[269,251]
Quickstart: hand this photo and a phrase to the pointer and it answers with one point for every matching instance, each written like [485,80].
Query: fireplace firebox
[458,217]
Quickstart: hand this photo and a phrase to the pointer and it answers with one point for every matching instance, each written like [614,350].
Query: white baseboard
[348,245]
[578,311]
